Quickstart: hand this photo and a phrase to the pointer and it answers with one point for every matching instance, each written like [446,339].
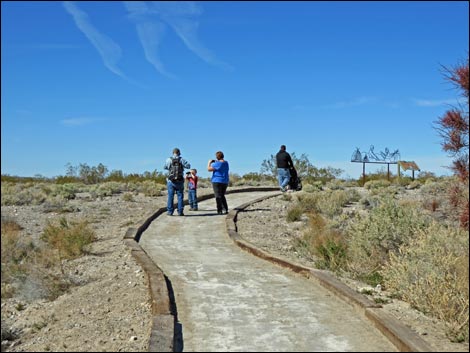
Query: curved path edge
[397,333]
[163,332]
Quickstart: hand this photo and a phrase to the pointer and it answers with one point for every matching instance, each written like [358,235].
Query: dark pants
[219,193]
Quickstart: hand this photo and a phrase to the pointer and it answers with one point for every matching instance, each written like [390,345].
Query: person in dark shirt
[283,163]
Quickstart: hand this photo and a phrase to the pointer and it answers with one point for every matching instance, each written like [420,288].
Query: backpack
[176,170]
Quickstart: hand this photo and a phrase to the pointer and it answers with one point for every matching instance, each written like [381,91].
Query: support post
[363,173]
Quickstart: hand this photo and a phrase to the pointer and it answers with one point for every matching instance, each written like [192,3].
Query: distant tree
[115,175]
[305,169]
[453,127]
[268,166]
[71,171]
[85,173]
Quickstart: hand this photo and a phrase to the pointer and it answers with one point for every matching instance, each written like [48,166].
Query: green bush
[375,184]
[313,187]
[151,188]
[294,214]
[69,240]
[431,273]
[326,243]
[371,238]
[15,251]
[66,190]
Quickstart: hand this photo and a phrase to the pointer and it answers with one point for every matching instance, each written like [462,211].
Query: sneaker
[225,212]
[169,214]
[181,214]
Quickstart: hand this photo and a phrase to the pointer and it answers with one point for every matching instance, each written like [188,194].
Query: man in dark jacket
[283,163]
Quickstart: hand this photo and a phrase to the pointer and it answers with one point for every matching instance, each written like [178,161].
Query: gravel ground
[109,307]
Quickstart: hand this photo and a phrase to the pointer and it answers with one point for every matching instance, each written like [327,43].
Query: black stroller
[295,183]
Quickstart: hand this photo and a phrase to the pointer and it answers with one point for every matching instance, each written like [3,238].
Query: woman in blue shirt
[220,179]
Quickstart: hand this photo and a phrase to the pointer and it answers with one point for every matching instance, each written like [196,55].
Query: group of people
[220,179]
[175,182]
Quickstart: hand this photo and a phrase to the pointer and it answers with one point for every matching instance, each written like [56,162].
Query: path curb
[397,333]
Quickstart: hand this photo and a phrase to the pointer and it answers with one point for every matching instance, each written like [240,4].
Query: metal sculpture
[384,157]
[369,157]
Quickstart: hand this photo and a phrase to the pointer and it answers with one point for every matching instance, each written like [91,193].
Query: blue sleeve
[185,163]
[167,164]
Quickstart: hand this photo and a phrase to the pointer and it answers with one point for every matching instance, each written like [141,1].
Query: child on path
[192,178]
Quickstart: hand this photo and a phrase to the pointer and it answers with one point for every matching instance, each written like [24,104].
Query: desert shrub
[204,183]
[259,179]
[335,184]
[446,196]
[66,191]
[15,250]
[403,180]
[22,194]
[133,186]
[108,189]
[246,182]
[414,185]
[28,271]
[36,272]
[235,179]
[329,202]
[58,204]
[128,197]
[424,176]
[432,186]
[46,277]
[375,184]
[431,273]
[313,187]
[382,231]
[325,242]
[151,188]
[294,213]
[308,202]
[69,240]
[285,197]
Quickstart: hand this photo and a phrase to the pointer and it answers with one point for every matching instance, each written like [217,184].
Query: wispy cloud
[434,102]
[150,18]
[355,102]
[78,121]
[48,46]
[109,51]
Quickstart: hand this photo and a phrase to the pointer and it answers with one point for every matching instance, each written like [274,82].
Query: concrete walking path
[230,300]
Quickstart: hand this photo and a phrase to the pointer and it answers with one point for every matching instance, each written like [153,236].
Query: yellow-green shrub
[382,231]
[431,273]
[69,240]
[326,243]
[15,251]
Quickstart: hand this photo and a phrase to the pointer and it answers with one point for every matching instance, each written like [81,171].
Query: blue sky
[123,83]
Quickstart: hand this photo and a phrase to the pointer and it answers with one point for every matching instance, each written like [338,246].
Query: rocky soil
[108,307]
